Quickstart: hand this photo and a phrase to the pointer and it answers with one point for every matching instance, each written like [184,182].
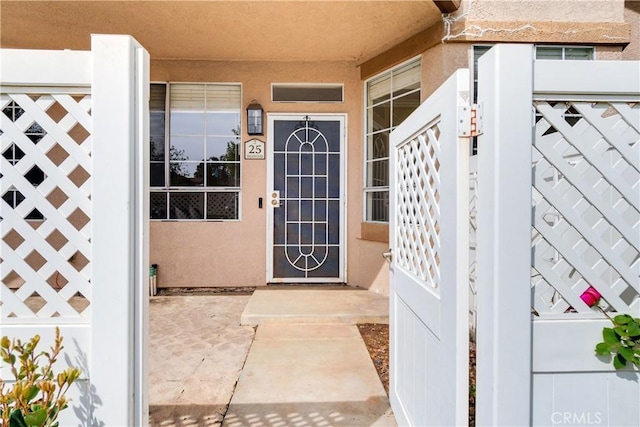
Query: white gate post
[504,237]
[119,229]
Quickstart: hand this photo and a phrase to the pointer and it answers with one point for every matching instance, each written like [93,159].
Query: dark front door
[306,198]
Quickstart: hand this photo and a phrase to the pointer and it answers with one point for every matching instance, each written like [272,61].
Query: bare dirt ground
[376,338]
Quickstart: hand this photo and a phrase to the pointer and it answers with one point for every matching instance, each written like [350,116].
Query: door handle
[388,255]
[275,199]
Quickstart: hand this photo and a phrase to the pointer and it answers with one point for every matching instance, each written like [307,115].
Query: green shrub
[622,341]
[38,395]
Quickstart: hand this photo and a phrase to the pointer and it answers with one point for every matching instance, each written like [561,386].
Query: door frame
[342,118]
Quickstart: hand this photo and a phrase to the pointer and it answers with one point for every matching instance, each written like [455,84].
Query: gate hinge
[469,120]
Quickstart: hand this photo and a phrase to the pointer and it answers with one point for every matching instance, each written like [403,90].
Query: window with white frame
[390,98]
[195,151]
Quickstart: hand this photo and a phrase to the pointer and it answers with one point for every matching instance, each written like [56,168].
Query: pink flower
[591,296]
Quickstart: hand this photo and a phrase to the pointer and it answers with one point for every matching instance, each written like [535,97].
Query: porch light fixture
[254,118]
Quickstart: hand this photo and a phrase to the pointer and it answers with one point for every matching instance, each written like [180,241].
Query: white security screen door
[305,199]
[429,321]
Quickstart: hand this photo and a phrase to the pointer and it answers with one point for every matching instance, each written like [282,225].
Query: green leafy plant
[622,341]
[38,395]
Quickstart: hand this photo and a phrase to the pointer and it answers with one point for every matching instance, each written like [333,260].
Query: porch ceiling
[300,30]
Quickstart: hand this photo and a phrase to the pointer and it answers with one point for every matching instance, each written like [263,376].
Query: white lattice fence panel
[46,206]
[586,205]
[418,213]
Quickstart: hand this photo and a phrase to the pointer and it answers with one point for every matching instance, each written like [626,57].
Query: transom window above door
[307,92]
[195,151]
[390,98]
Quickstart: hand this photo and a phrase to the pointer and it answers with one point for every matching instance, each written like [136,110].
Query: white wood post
[504,237]
[119,229]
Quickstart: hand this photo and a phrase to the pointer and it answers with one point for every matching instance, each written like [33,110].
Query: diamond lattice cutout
[35,302]
[57,154]
[417,196]
[56,112]
[79,134]
[46,191]
[57,240]
[57,281]
[13,280]
[78,261]
[78,219]
[35,260]
[79,176]
[586,205]
[57,197]
[13,239]
[79,303]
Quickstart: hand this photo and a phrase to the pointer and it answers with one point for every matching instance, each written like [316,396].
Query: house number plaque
[254,149]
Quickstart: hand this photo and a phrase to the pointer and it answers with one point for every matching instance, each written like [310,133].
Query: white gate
[74,132]
[554,213]
[558,212]
[429,328]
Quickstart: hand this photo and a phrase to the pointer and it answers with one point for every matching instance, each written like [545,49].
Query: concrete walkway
[307,366]
[308,375]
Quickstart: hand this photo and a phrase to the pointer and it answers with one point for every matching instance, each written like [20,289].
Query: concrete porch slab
[308,375]
[315,305]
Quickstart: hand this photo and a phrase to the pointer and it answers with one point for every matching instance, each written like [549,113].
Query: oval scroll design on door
[307,229]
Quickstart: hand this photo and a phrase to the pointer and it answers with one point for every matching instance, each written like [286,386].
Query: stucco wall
[439,62]
[599,22]
[194,254]
[632,15]
[544,10]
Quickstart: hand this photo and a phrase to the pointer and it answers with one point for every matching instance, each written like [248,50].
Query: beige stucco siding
[632,16]
[439,62]
[544,10]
